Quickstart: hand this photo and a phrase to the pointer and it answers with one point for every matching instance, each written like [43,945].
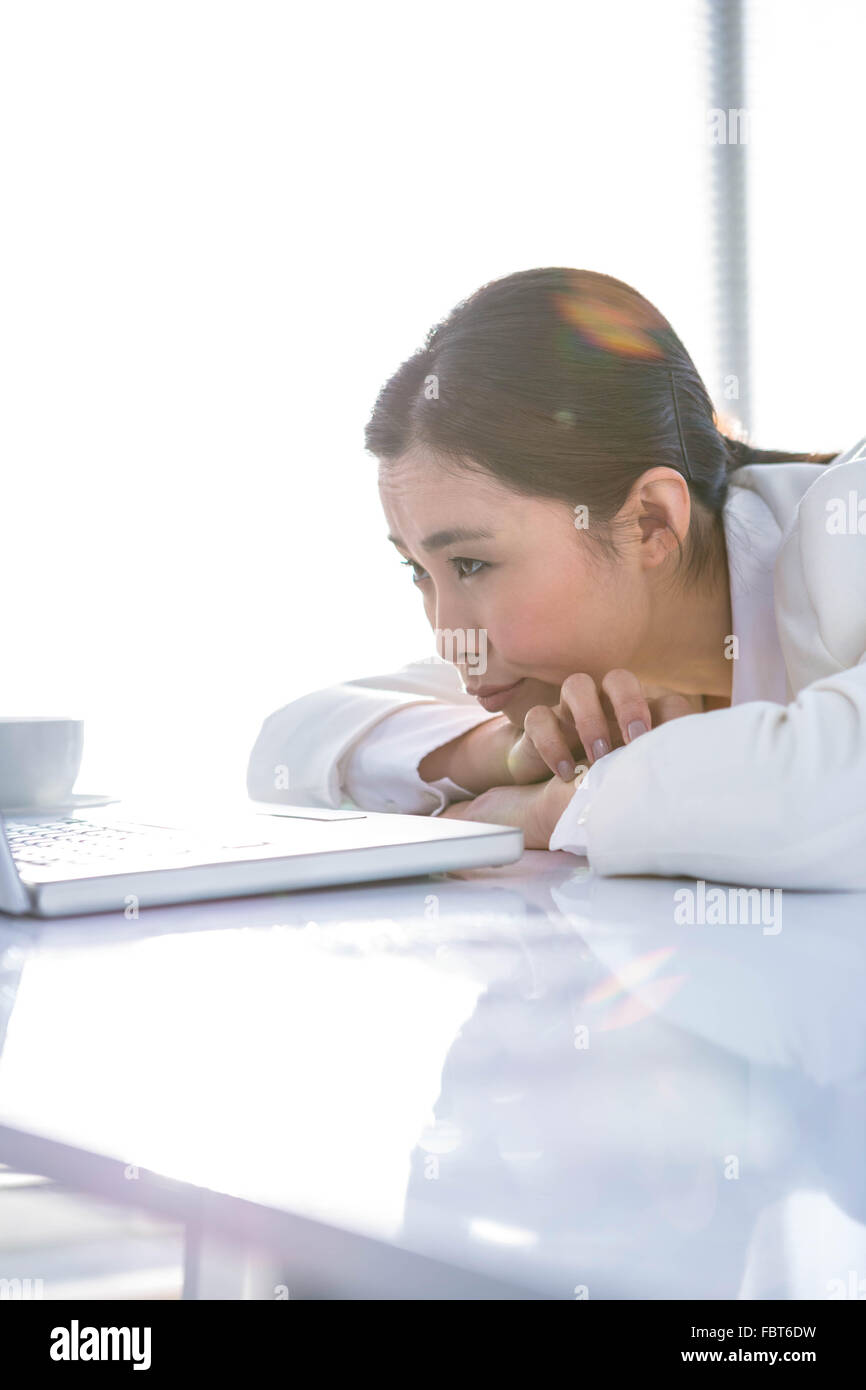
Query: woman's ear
[662,508]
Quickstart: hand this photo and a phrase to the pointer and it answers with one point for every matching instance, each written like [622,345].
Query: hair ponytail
[739,454]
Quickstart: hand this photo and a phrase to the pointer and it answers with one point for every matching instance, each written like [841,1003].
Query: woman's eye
[461,560]
[417,572]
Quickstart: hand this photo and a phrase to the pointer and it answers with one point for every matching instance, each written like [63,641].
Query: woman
[620,586]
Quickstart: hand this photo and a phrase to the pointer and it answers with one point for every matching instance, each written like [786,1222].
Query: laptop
[129,856]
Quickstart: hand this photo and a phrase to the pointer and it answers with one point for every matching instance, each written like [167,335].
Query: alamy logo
[102,1344]
[22,1288]
[731,127]
[854,1288]
[729,907]
[463,646]
[846,516]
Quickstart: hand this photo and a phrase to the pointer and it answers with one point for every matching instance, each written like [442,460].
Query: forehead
[421,494]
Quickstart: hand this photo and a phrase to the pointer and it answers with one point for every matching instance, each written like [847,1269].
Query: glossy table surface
[614,1088]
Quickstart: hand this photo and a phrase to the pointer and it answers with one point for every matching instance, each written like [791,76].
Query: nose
[458,638]
[451,614]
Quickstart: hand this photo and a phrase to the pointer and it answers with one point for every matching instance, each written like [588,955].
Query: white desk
[517,1082]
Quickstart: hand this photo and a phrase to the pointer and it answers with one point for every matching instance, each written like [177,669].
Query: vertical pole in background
[728,156]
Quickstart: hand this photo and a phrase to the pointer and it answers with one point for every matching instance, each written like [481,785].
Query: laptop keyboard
[74,841]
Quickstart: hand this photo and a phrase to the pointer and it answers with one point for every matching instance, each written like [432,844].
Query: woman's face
[520,580]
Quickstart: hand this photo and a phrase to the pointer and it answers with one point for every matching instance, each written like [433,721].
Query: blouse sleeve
[764,794]
[380,772]
[305,749]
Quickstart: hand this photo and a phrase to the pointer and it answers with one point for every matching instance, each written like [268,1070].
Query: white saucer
[76,802]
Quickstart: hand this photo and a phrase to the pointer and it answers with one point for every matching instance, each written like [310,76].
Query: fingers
[671,706]
[525,763]
[588,722]
[553,739]
[630,706]
[580,698]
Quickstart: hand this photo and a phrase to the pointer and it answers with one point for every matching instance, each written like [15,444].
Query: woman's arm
[496,754]
[381,770]
[761,794]
[303,750]
[390,742]
[476,759]
[765,795]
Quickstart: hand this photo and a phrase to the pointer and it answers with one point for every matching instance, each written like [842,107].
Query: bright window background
[226,225]
[808,222]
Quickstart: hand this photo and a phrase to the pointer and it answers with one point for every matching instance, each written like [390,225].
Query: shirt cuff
[380,772]
[448,792]
[571,830]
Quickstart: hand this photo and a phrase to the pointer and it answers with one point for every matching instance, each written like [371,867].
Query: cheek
[581,620]
[543,618]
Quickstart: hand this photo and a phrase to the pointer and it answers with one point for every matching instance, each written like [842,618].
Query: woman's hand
[588,722]
[495,753]
[533,809]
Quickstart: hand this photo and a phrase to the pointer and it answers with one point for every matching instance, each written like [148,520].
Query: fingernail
[599,748]
[565,770]
[635,729]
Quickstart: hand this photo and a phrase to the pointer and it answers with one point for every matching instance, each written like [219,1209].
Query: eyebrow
[440,539]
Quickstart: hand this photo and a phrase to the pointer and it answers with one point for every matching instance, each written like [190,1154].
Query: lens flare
[624,330]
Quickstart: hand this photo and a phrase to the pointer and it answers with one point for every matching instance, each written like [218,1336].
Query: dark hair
[566,384]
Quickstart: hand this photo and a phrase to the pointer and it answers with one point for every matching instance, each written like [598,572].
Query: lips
[485,690]
[493,697]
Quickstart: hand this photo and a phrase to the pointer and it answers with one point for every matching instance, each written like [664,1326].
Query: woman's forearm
[475,760]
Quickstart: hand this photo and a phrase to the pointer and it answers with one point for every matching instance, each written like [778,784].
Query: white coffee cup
[40,757]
